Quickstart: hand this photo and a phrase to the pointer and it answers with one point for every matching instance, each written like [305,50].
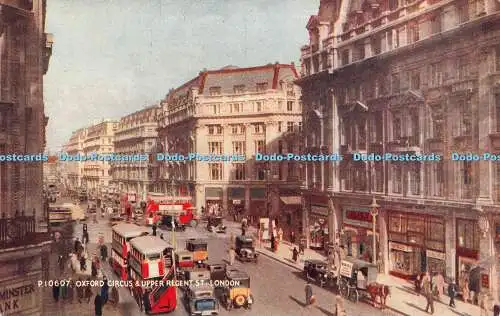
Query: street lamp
[267,170]
[374,212]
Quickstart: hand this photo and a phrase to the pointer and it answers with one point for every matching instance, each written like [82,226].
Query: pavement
[403,299]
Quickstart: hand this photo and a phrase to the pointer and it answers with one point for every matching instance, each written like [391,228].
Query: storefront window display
[468,239]
[417,243]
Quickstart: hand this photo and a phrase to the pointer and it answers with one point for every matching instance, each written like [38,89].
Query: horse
[380,290]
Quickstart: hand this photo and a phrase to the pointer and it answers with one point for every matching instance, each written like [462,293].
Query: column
[199,197]
[451,247]
[483,175]
[249,151]
[382,219]
[247,199]
[305,219]
[224,196]
[368,48]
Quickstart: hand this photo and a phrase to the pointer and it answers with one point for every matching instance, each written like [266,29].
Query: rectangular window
[236,107]
[413,33]
[377,45]
[396,128]
[468,234]
[415,81]
[436,24]
[280,147]
[345,57]
[260,172]
[378,181]
[300,127]
[211,129]
[465,121]
[435,75]
[397,178]
[497,58]
[215,171]
[290,147]
[258,106]
[214,91]
[280,126]
[437,178]
[218,129]
[260,87]
[463,11]
[360,51]
[463,68]
[239,171]
[259,128]
[215,108]
[239,148]
[289,106]
[260,146]
[415,179]
[289,126]
[234,129]
[395,83]
[239,89]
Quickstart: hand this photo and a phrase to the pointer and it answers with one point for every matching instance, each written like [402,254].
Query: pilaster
[450,250]
[382,219]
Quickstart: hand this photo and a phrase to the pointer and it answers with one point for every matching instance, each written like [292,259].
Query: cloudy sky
[113,57]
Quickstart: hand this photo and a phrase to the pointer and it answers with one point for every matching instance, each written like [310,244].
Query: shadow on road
[297,301]
[406,289]
[416,307]
[324,311]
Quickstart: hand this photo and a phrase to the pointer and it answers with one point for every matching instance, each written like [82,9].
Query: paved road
[278,289]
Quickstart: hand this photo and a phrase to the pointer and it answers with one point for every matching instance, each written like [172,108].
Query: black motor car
[245,250]
[317,271]
[166,223]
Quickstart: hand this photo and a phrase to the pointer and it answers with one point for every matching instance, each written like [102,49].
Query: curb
[279,260]
[298,269]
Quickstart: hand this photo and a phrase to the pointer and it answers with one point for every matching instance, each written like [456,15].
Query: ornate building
[136,133]
[99,140]
[417,78]
[73,172]
[25,51]
[239,111]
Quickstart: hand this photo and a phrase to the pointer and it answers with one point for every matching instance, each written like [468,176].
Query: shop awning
[291,200]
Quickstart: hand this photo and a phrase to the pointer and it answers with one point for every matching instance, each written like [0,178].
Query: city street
[277,288]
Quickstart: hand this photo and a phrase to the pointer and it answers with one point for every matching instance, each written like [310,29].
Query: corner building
[414,77]
[25,52]
[240,111]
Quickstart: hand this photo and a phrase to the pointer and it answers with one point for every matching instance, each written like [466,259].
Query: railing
[18,231]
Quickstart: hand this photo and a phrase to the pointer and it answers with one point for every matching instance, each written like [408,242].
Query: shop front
[358,232]
[468,243]
[290,213]
[258,204]
[213,200]
[318,222]
[416,244]
[236,200]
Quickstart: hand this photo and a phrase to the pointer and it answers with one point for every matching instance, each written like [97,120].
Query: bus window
[154,257]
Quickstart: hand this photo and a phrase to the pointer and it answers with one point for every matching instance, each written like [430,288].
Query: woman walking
[309,294]
[339,306]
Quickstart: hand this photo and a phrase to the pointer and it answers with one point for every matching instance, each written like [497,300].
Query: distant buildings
[74,171]
[24,241]
[417,77]
[240,111]
[136,133]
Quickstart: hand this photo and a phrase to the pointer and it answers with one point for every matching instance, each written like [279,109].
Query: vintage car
[199,249]
[201,301]
[166,223]
[184,260]
[216,225]
[217,271]
[237,293]
[317,271]
[244,248]
[199,277]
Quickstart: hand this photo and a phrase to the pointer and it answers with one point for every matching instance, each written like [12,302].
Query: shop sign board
[436,255]
[400,247]
[320,210]
[16,298]
[236,202]
[358,216]
[346,269]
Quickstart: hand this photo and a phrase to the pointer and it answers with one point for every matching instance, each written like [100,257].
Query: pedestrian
[452,292]
[98,305]
[115,296]
[88,291]
[231,240]
[295,254]
[232,255]
[161,237]
[280,235]
[77,245]
[55,291]
[94,269]
[309,294]
[154,229]
[339,306]
[292,237]
[145,302]
[496,310]
[427,288]
[243,230]
[71,291]
[273,240]
[104,253]
[64,291]
[80,292]
[85,237]
[440,285]
[105,291]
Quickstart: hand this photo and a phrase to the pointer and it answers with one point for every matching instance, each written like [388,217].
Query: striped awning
[291,200]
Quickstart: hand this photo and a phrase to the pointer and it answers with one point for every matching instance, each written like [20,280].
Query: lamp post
[267,170]
[374,212]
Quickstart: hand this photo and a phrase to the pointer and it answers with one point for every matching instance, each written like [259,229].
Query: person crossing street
[452,292]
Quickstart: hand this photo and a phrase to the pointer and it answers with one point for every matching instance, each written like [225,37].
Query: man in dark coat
[452,292]
[154,229]
[145,301]
[55,292]
[98,305]
[273,241]
[496,310]
[105,291]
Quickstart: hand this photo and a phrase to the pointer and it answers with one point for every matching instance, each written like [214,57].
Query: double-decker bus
[160,206]
[149,265]
[122,235]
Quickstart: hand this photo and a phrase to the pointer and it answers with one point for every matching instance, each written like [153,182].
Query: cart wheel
[193,223]
[240,300]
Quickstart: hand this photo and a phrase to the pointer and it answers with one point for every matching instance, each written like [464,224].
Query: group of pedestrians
[339,309]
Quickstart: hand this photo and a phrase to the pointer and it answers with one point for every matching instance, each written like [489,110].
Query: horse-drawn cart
[358,279]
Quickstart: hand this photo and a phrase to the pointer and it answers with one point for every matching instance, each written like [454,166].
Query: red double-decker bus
[149,261]
[120,246]
[179,207]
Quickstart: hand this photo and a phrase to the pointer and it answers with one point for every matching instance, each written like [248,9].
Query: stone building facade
[240,111]
[99,140]
[25,50]
[410,78]
[136,133]
[73,172]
